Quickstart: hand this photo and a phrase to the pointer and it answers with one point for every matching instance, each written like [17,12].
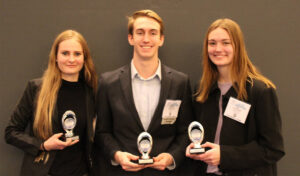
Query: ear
[130,39]
[162,39]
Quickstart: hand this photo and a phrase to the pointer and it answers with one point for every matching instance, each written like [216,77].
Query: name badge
[237,110]
[170,112]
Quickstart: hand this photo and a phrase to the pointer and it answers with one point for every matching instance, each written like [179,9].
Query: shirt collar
[135,73]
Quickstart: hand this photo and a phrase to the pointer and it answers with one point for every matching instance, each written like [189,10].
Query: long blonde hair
[242,69]
[51,82]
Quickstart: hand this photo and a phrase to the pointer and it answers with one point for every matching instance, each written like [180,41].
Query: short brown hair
[144,13]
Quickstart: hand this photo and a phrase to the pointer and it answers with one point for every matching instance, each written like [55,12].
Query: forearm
[23,141]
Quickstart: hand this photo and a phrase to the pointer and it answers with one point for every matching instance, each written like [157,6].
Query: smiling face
[146,38]
[70,59]
[220,48]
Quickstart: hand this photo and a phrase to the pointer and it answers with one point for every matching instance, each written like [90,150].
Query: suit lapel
[125,80]
[165,87]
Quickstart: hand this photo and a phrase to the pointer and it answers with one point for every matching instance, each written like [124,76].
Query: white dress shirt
[146,93]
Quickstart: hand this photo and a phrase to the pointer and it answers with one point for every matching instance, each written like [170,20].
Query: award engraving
[144,143]
[196,134]
[69,122]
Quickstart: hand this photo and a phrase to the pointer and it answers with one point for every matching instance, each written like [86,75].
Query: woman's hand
[54,143]
[188,154]
[211,156]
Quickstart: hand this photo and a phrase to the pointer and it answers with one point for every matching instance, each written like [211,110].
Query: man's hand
[161,161]
[124,159]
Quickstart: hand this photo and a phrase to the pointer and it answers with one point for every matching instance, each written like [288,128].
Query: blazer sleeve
[267,146]
[104,139]
[186,116]
[21,118]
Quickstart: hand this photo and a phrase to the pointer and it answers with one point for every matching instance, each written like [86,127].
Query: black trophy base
[64,138]
[145,161]
[197,150]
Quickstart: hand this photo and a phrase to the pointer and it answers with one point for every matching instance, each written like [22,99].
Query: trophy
[69,122]
[196,133]
[144,143]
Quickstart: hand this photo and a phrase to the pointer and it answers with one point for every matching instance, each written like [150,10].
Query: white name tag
[170,111]
[237,110]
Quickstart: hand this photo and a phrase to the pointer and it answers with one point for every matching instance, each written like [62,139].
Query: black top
[252,148]
[19,131]
[71,160]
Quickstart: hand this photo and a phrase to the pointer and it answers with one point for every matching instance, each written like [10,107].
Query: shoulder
[112,76]
[31,89]
[175,73]
[258,89]
[34,83]
[258,85]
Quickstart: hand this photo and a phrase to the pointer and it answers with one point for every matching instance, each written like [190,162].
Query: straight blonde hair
[51,82]
[242,69]
[145,13]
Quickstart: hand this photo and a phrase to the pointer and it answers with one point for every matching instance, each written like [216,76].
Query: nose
[146,38]
[71,58]
[218,47]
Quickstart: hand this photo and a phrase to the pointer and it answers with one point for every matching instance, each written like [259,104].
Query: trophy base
[74,138]
[64,138]
[145,161]
[197,150]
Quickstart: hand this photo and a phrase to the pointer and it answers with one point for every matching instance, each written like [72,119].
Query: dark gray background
[271,29]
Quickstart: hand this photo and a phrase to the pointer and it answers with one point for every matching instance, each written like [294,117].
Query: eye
[211,43]
[153,33]
[77,53]
[139,32]
[65,53]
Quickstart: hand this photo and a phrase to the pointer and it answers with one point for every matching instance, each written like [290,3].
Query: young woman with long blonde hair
[237,107]
[59,110]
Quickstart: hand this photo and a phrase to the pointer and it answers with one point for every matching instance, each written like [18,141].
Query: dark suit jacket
[23,117]
[252,148]
[118,123]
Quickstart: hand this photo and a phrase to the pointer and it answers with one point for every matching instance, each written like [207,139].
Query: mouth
[72,66]
[146,47]
[219,56]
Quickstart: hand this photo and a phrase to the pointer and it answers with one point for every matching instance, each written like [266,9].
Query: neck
[224,75]
[70,78]
[146,68]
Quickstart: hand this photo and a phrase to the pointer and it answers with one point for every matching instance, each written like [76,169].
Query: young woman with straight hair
[59,110]
[237,107]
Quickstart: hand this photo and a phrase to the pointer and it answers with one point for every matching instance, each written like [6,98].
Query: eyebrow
[71,51]
[221,40]
[144,29]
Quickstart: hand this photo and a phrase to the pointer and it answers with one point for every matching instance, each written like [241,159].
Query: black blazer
[23,116]
[252,148]
[118,123]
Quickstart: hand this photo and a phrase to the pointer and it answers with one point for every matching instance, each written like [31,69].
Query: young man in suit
[144,95]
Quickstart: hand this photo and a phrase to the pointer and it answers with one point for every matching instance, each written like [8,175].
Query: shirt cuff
[172,166]
[114,163]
